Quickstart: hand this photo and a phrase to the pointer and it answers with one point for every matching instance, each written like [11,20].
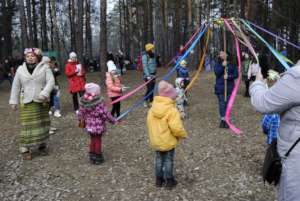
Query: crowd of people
[36,91]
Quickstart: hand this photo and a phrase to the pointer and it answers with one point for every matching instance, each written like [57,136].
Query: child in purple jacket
[94,113]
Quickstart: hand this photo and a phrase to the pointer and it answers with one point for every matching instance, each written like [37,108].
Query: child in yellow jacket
[165,129]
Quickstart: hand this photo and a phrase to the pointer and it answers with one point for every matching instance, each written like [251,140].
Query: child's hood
[161,106]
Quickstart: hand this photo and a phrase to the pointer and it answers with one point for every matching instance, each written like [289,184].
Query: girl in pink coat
[114,87]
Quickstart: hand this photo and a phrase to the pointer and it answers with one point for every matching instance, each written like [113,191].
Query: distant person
[31,89]
[245,67]
[76,79]
[149,72]
[7,72]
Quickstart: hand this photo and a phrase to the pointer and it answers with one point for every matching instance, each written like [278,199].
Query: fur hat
[111,66]
[91,90]
[33,50]
[72,55]
[149,47]
[166,90]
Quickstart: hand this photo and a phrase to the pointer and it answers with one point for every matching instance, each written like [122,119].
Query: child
[56,91]
[270,126]
[93,112]
[165,129]
[183,72]
[181,98]
[114,87]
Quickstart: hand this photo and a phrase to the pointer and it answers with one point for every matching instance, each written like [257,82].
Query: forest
[91,28]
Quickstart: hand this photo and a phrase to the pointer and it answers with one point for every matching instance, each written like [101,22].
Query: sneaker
[145,104]
[50,112]
[57,113]
[51,132]
[77,112]
[53,129]
[171,183]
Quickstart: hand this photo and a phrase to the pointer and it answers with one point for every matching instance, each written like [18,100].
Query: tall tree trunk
[79,30]
[164,30]
[44,25]
[145,22]
[72,24]
[88,35]
[51,26]
[56,44]
[34,18]
[23,20]
[6,38]
[29,22]
[177,23]
[103,37]
[150,18]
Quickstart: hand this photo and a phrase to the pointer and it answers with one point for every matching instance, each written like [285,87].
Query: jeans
[222,105]
[164,162]
[150,89]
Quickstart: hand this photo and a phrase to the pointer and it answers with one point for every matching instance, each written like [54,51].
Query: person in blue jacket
[221,76]
[149,72]
[183,72]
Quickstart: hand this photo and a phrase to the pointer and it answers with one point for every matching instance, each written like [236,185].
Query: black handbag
[272,166]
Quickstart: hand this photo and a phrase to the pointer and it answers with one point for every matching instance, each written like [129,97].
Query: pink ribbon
[236,130]
[131,92]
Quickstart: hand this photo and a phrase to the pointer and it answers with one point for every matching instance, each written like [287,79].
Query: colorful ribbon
[196,76]
[281,60]
[274,35]
[167,76]
[236,86]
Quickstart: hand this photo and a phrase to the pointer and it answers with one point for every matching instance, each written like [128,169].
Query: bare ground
[211,165]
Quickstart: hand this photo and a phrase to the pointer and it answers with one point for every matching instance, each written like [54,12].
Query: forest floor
[210,165]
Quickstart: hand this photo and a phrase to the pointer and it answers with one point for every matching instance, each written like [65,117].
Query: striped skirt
[35,124]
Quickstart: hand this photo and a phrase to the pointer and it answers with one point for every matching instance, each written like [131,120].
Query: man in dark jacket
[224,71]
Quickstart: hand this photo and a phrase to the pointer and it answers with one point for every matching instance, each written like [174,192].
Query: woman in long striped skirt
[31,88]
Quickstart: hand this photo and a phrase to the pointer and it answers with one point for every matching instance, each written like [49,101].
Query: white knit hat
[111,66]
[72,55]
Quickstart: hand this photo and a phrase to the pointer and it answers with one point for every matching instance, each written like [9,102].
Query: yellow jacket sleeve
[176,125]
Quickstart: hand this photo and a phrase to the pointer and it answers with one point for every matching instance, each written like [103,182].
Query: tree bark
[79,30]
[23,20]
[44,25]
[103,37]
[29,22]
[88,35]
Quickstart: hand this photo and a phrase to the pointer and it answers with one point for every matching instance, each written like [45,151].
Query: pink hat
[167,90]
[91,90]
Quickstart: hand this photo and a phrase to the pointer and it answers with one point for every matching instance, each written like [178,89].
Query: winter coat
[182,72]
[165,127]
[149,65]
[284,98]
[232,73]
[76,82]
[36,87]
[113,85]
[95,114]
[245,67]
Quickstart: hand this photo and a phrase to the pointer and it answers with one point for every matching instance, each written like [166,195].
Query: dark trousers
[222,104]
[96,144]
[8,78]
[76,97]
[164,164]
[247,85]
[116,107]
[150,89]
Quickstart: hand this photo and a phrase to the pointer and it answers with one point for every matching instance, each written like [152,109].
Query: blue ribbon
[168,75]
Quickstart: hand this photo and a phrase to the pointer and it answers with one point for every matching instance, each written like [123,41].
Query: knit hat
[72,55]
[149,47]
[183,63]
[166,90]
[111,66]
[91,90]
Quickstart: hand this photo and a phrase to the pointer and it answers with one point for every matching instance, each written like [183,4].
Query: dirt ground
[210,165]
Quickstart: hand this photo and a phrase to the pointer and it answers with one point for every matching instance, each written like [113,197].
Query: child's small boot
[159,181]
[92,158]
[99,159]
[171,183]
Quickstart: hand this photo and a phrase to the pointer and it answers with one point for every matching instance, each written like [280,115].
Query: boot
[159,181]
[99,159]
[171,183]
[27,156]
[222,124]
[43,150]
[92,158]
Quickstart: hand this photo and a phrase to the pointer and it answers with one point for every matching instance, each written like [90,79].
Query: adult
[283,98]
[121,61]
[245,67]
[31,87]
[149,72]
[76,78]
[224,71]
[264,63]
[8,71]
